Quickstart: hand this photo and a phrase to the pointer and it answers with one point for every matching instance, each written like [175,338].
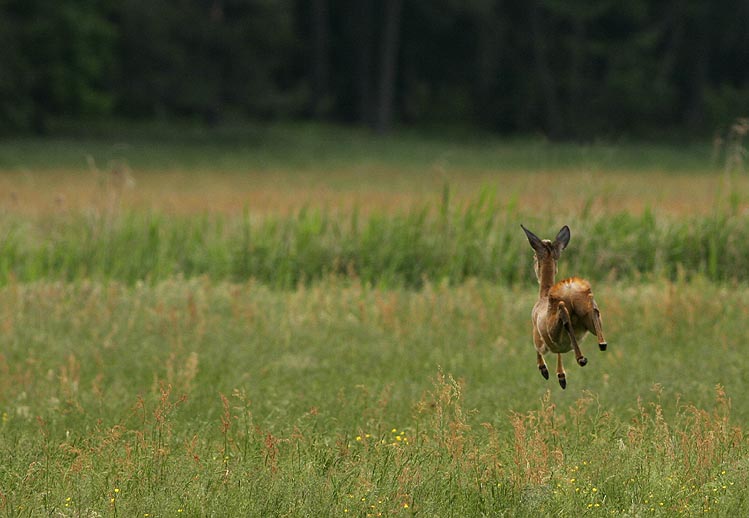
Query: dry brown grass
[283,192]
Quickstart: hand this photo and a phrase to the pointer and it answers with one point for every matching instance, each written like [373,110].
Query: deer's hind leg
[564,316]
[540,346]
[542,365]
[561,376]
[593,324]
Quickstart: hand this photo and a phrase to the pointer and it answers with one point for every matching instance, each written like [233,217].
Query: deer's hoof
[544,371]
[582,361]
[562,380]
[603,346]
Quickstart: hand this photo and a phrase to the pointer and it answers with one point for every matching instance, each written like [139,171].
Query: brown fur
[565,311]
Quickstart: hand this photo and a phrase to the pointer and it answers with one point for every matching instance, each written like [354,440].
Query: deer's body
[549,334]
[565,311]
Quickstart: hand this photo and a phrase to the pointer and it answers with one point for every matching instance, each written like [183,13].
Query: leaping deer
[565,310]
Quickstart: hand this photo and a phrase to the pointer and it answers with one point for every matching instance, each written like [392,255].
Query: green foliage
[57,62]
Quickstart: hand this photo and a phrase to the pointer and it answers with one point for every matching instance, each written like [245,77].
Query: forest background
[568,70]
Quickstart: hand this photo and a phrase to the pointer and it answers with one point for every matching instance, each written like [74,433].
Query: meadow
[308,321]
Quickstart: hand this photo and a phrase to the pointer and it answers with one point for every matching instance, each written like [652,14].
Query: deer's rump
[577,296]
[575,293]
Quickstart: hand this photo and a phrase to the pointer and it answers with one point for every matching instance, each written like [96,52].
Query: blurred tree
[257,55]
[55,61]
[203,57]
[452,72]
[320,58]
[547,79]
[364,45]
[16,105]
[726,95]
[490,44]
[389,47]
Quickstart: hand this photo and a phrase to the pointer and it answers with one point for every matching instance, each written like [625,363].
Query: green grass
[197,398]
[443,242]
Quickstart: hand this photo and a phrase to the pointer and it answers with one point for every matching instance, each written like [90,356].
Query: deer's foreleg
[564,317]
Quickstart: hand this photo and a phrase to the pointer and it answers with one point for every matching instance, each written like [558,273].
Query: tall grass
[444,241]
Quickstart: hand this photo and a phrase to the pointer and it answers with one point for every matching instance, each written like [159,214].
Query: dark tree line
[567,68]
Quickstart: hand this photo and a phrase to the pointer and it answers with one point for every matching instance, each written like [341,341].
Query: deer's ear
[533,239]
[562,239]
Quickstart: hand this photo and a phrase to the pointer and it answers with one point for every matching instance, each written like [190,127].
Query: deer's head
[547,252]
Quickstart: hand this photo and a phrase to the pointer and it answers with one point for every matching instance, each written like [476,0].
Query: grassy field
[281,168]
[197,398]
[306,321]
